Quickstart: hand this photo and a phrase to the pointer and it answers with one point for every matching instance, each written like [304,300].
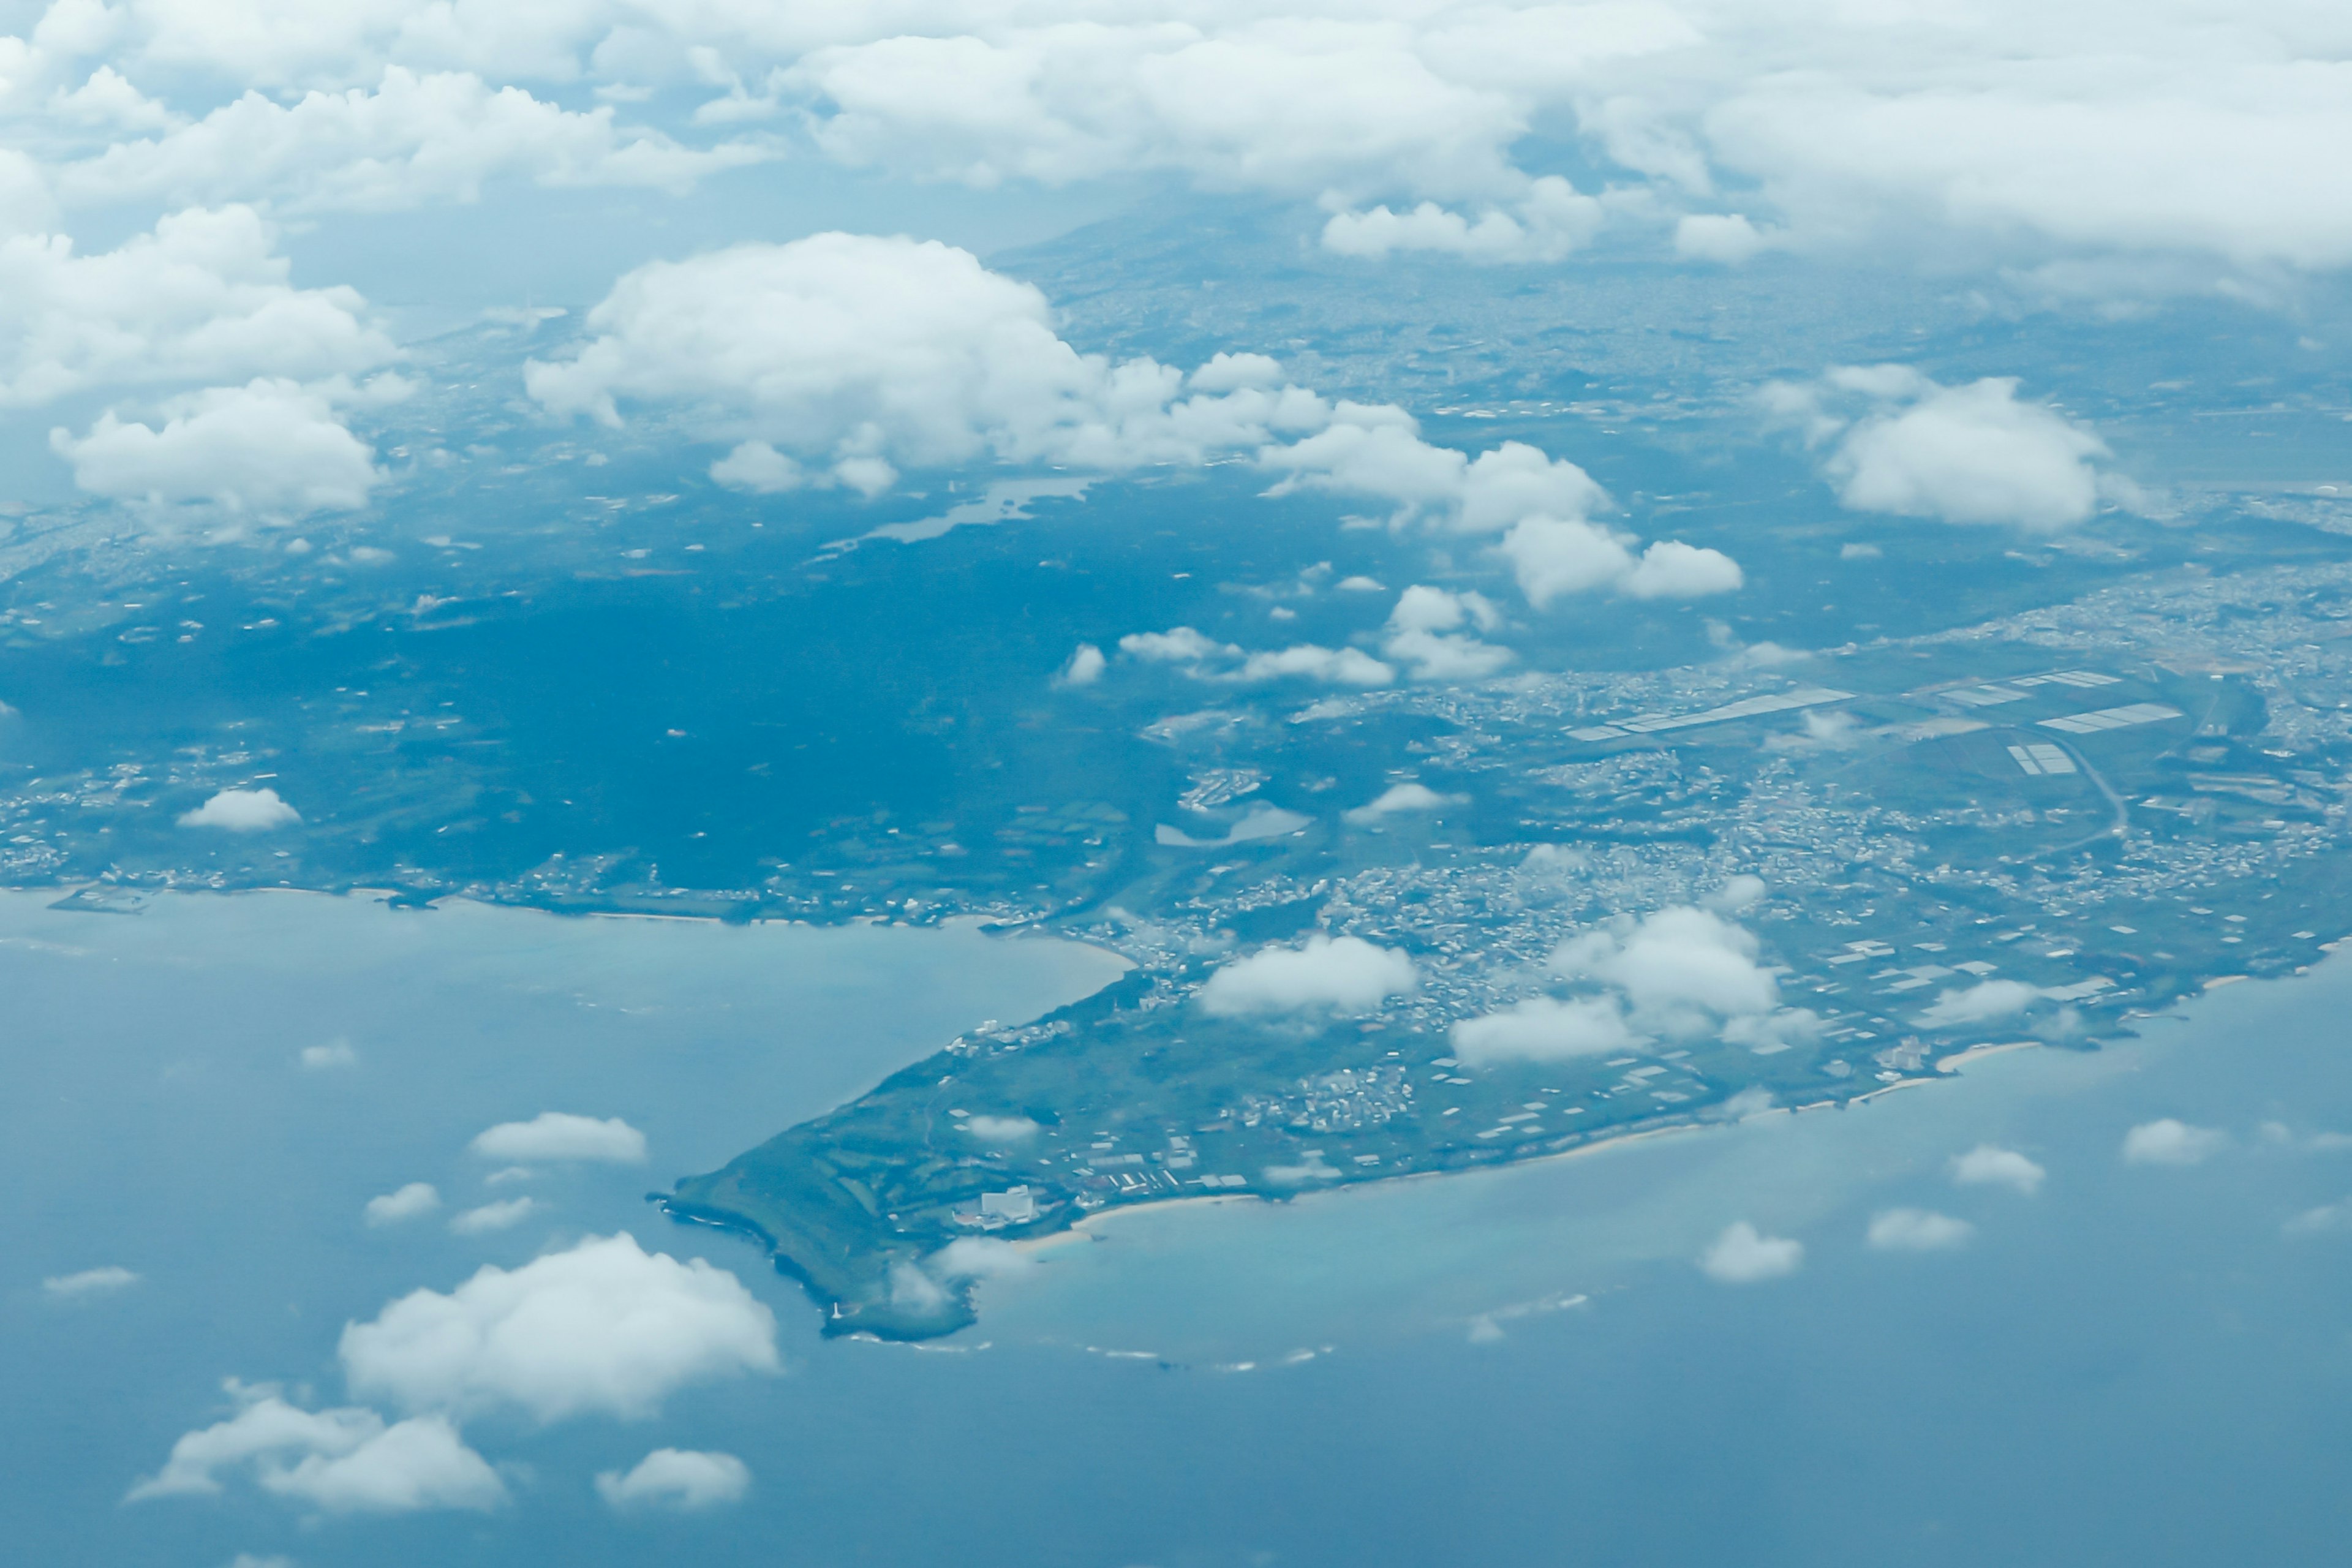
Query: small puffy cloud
[603,1326]
[1989,1165]
[270,447]
[1979,1004]
[1345,974]
[243,811]
[90,1282]
[1423,631]
[202,298]
[504,1215]
[1085,668]
[1552,556]
[1903,444]
[1359,584]
[1741,892]
[1918,1230]
[554,1135]
[1550,221]
[1680,968]
[1177,645]
[1670,569]
[340,1461]
[677,1479]
[1542,1028]
[328,1058]
[980,1258]
[1308,661]
[415,137]
[411,1202]
[1235,372]
[1000,1128]
[913,1291]
[1743,1255]
[1403,800]
[1725,237]
[2167,1142]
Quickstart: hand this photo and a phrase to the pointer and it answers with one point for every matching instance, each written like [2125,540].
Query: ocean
[2142,1361]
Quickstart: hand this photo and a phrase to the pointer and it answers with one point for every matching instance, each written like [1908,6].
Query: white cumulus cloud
[1682,968]
[554,1135]
[505,1214]
[678,1479]
[410,1202]
[243,811]
[1990,1166]
[272,447]
[342,1462]
[603,1326]
[1979,1004]
[2169,1142]
[1543,1028]
[1403,800]
[1900,442]
[1345,974]
[1743,1255]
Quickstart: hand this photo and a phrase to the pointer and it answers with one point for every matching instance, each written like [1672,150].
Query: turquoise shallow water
[2135,1364]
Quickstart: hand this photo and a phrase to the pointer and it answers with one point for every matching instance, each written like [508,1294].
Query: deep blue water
[2134,1364]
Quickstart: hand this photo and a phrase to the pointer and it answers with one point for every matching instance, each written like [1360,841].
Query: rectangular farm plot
[2042,758]
[2111,718]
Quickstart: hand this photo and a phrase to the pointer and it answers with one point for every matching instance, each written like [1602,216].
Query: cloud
[1544,1029]
[1552,556]
[90,1282]
[244,811]
[1332,666]
[844,358]
[1680,968]
[1744,1256]
[1401,800]
[335,1054]
[1000,1128]
[1546,223]
[1670,569]
[410,1202]
[1422,632]
[1177,645]
[1988,1166]
[1346,974]
[2167,1142]
[272,447]
[677,1479]
[1725,237]
[1979,1004]
[980,1258]
[553,1135]
[1918,1230]
[1744,891]
[1205,659]
[504,1215]
[203,299]
[1086,666]
[411,139]
[2324,1220]
[340,1461]
[602,1327]
[1903,444]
